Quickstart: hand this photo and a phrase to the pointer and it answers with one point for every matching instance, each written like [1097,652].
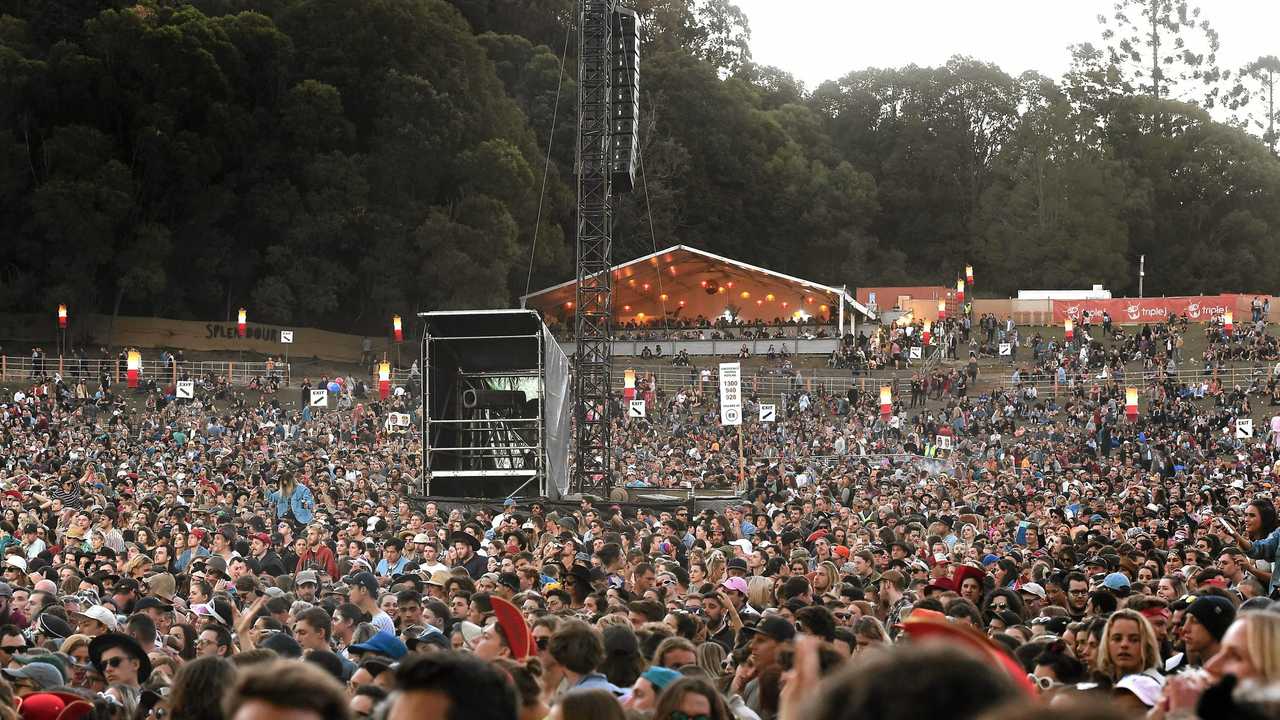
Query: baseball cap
[364,580]
[1033,589]
[307,577]
[96,612]
[772,626]
[735,583]
[1116,581]
[43,674]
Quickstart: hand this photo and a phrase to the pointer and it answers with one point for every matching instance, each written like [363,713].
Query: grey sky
[819,40]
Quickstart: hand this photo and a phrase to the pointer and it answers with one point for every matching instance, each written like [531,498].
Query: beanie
[1215,613]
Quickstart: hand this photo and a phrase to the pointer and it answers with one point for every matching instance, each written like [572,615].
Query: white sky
[818,40]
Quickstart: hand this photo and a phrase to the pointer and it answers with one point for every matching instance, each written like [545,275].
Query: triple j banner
[1136,311]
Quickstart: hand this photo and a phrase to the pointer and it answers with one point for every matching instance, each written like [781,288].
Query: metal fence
[21,368]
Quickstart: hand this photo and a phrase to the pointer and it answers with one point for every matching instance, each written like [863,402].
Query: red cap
[926,624]
[265,538]
[514,628]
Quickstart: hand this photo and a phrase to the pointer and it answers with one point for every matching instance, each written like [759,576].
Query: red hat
[841,551]
[933,625]
[514,628]
[816,534]
[54,706]
[962,572]
[265,538]
[198,532]
[15,494]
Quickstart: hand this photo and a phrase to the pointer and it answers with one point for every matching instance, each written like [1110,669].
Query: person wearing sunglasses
[120,659]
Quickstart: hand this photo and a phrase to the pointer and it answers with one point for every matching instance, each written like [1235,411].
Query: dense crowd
[990,553]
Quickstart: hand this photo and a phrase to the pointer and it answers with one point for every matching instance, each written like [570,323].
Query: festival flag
[886,401]
[942,309]
[1070,328]
[62,316]
[629,384]
[925,335]
[241,322]
[134,367]
[1131,403]
[397,329]
[968,275]
[1227,323]
[384,380]
[960,291]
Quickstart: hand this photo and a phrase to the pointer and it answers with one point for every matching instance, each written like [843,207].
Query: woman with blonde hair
[1129,656]
[711,657]
[715,567]
[1250,649]
[760,592]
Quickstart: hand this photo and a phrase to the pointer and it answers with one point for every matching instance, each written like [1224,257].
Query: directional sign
[915,352]
[319,398]
[730,393]
[286,336]
[186,389]
[1006,349]
[1244,428]
[637,409]
[768,413]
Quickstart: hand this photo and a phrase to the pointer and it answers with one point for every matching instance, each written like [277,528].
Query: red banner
[1138,311]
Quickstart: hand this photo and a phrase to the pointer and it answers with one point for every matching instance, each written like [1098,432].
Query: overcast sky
[818,40]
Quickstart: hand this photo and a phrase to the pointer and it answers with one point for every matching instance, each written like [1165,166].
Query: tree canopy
[330,163]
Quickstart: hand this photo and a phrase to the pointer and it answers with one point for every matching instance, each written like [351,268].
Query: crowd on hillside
[984,553]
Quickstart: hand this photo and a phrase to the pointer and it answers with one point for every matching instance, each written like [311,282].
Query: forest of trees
[328,163]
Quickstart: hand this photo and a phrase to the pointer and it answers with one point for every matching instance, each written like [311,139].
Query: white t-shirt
[383,621]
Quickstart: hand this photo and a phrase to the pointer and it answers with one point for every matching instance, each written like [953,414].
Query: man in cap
[33,678]
[1205,622]
[94,621]
[507,637]
[1033,597]
[362,591]
[262,559]
[306,585]
[766,639]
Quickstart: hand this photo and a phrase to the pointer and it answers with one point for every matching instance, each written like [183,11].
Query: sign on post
[730,393]
[286,336]
[1244,428]
[1006,349]
[320,398]
[637,409]
[915,352]
[768,413]
[186,389]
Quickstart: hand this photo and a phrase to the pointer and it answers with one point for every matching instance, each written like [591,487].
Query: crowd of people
[983,554]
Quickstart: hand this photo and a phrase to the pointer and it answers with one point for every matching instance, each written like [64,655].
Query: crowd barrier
[23,368]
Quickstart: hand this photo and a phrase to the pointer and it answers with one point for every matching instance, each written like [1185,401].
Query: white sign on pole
[319,398]
[286,336]
[768,413]
[915,352]
[1006,349]
[186,389]
[730,393]
[637,409]
[1244,428]
[944,442]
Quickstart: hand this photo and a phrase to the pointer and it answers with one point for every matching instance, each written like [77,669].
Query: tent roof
[681,270]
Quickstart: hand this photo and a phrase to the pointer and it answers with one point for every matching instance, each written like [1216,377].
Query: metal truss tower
[594,307]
